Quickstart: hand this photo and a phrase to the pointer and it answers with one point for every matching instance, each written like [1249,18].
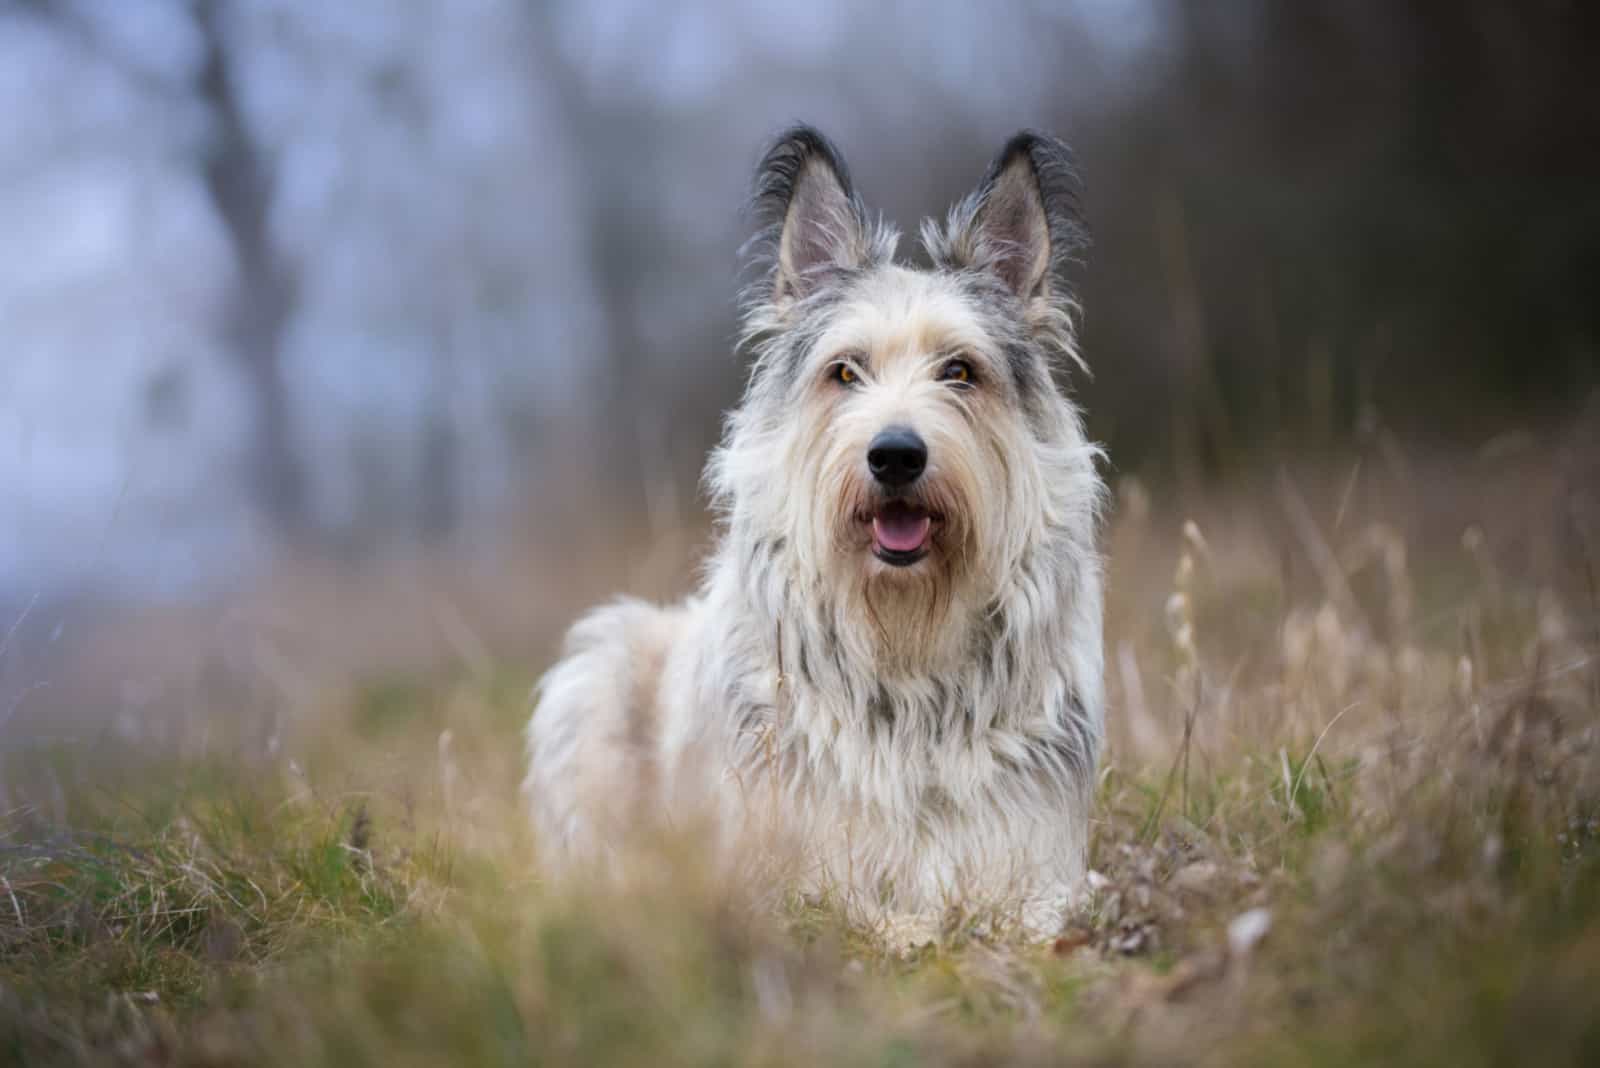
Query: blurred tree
[1379,208]
[121,420]
[263,296]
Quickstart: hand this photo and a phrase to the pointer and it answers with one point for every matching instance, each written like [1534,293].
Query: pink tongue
[901,532]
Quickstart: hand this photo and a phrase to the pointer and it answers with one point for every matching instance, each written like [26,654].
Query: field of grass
[1350,813]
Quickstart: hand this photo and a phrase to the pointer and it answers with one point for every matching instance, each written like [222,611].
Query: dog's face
[906,428]
[900,426]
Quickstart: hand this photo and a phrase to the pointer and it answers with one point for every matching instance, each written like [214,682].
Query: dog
[893,661]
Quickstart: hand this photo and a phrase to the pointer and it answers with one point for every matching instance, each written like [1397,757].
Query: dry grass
[1351,813]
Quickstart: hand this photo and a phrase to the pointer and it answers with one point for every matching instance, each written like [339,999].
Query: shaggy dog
[893,662]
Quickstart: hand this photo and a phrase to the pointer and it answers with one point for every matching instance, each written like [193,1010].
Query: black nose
[897,456]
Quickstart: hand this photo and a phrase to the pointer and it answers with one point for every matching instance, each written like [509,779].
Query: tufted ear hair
[1022,222]
[811,222]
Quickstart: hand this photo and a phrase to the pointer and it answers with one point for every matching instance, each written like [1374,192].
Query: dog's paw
[1044,916]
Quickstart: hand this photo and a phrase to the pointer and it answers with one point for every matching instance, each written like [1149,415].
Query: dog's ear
[811,221]
[1022,223]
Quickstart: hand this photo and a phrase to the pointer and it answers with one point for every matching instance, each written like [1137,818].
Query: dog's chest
[927,751]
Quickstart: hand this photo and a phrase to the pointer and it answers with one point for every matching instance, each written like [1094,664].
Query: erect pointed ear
[812,223]
[1022,222]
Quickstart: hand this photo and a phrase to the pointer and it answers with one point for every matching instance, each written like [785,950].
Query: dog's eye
[844,374]
[958,372]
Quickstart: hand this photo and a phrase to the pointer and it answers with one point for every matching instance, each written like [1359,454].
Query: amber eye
[958,372]
[844,374]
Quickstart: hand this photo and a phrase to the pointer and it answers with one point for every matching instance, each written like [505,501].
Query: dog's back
[592,737]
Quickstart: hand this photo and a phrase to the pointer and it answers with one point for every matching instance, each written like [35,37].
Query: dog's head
[902,433]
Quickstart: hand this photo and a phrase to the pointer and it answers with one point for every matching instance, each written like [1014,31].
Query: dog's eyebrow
[966,351]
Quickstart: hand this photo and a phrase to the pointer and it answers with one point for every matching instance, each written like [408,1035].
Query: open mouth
[901,532]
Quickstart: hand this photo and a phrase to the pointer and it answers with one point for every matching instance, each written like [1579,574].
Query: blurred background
[337,336]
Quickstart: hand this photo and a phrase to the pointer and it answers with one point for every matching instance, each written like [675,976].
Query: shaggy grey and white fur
[921,724]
